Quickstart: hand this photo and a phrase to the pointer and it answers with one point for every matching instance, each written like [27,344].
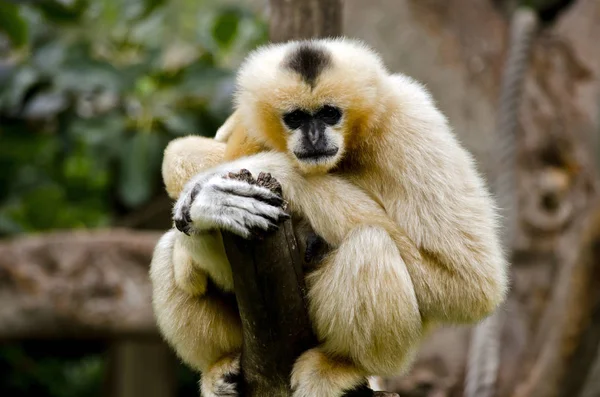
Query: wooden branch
[269,282]
[76,284]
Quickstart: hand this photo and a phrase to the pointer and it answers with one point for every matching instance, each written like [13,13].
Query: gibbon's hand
[227,204]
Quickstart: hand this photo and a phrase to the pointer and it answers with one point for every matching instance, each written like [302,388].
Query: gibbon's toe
[222,379]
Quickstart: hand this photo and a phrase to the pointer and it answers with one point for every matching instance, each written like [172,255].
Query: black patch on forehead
[308,60]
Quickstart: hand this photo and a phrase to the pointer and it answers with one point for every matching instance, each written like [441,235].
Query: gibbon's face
[313,99]
[315,136]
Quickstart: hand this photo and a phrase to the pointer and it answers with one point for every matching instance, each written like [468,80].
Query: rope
[484,350]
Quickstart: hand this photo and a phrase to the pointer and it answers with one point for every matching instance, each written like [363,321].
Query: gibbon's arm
[201,325]
[332,205]
[187,156]
[228,127]
[432,190]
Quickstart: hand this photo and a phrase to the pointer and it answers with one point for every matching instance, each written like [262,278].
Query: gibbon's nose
[314,132]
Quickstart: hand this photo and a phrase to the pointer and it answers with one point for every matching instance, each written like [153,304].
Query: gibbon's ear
[187,156]
[225,131]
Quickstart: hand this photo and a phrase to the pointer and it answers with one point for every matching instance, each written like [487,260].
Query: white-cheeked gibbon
[370,162]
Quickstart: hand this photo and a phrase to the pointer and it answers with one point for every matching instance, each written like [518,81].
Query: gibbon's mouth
[316,155]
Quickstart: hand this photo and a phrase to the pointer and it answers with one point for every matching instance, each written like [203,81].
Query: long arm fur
[430,187]
[201,328]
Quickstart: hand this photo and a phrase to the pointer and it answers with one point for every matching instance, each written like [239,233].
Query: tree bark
[269,288]
[304,19]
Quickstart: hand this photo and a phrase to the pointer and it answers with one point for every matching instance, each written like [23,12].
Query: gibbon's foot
[363,390]
[235,205]
[222,379]
[316,374]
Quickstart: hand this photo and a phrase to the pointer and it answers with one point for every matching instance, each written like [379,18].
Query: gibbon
[370,162]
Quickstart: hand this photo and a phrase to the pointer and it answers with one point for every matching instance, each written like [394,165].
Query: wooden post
[141,368]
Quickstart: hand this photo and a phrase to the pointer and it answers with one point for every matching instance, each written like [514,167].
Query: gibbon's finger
[181,210]
[235,220]
[256,222]
[244,189]
[238,228]
[256,207]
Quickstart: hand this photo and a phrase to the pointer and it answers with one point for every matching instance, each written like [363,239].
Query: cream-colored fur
[191,323]
[412,223]
[214,382]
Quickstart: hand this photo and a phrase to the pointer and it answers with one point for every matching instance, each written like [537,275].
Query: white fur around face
[335,140]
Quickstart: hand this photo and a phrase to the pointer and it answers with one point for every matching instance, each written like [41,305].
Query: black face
[315,143]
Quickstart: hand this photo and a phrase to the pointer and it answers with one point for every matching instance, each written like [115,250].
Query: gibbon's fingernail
[276,201]
[285,216]
[272,219]
[273,227]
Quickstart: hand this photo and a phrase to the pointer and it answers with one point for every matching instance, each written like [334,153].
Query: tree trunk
[269,288]
[304,19]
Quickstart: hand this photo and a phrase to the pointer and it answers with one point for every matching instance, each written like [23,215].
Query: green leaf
[102,136]
[7,225]
[151,5]
[180,123]
[140,162]
[82,73]
[225,28]
[58,12]
[202,81]
[22,80]
[13,24]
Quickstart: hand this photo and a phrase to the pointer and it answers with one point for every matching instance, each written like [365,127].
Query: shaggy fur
[413,227]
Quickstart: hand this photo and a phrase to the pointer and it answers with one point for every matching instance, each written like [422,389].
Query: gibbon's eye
[330,114]
[294,120]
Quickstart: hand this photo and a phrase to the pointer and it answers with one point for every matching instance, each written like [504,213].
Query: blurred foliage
[90,94]
[47,369]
